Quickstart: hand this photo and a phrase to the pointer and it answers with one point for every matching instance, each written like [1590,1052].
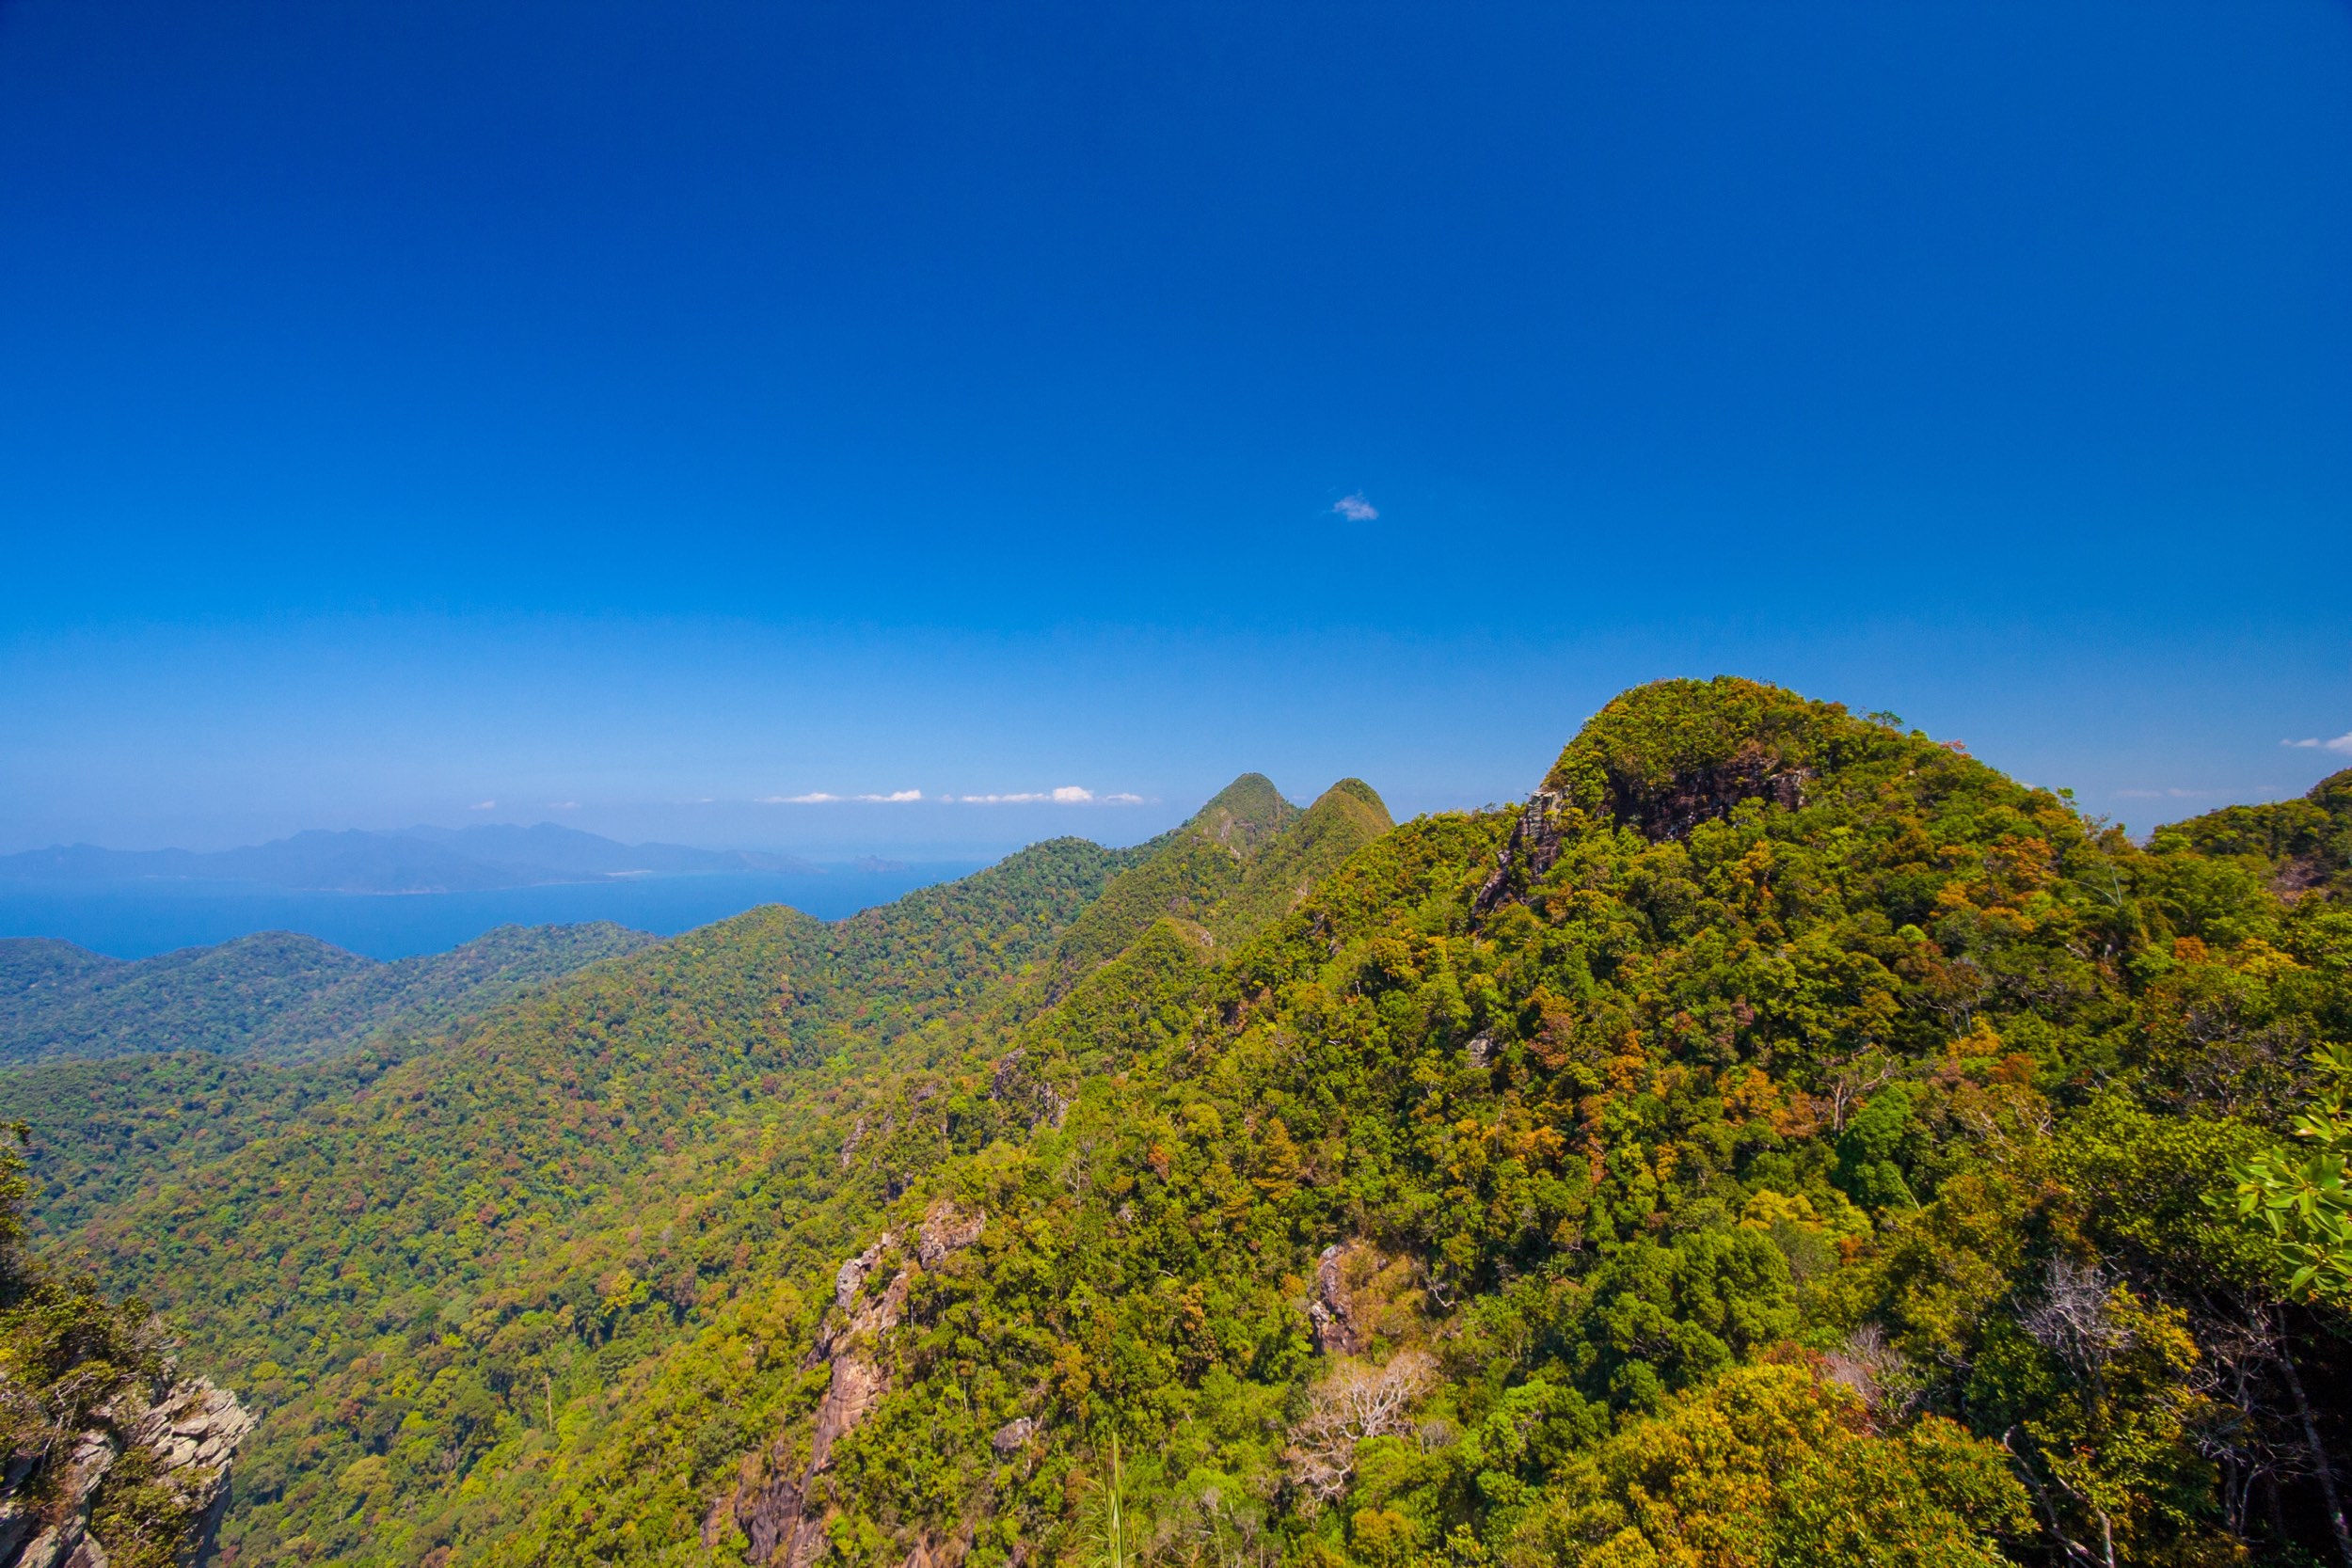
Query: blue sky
[640,415]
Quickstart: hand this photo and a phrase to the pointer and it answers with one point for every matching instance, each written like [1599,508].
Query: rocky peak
[1664,757]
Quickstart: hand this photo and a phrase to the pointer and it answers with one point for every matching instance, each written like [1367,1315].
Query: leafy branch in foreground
[2302,1196]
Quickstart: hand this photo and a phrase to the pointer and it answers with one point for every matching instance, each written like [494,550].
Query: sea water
[132,919]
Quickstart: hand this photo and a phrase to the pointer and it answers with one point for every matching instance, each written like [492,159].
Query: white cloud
[825,798]
[2342,743]
[484,805]
[1355,508]
[562,805]
[1068,795]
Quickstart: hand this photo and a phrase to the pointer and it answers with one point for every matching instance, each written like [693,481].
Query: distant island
[479,859]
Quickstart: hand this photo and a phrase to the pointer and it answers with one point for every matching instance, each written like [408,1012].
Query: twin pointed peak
[1249,813]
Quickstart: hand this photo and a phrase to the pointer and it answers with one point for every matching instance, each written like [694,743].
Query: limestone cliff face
[147,1482]
[781,1502]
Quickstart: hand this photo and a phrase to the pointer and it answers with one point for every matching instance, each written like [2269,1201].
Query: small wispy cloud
[2342,743]
[826,798]
[562,805]
[1355,508]
[484,805]
[1068,795]
[2167,794]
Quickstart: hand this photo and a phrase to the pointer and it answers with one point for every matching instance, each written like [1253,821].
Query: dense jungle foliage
[454,1176]
[1784,1140]
[274,996]
[113,1128]
[135,1070]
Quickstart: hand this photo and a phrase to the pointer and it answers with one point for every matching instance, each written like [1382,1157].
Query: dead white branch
[1356,1401]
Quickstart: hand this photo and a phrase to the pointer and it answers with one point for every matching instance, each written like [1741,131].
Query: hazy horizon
[658,426]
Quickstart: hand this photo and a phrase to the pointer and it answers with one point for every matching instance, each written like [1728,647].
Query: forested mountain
[1783,1139]
[275,996]
[2304,846]
[133,1071]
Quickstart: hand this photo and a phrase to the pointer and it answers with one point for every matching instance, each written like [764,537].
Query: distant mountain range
[408,860]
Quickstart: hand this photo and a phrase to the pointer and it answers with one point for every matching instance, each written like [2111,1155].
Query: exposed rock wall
[1659,812]
[781,1506]
[1697,795]
[185,1440]
[1527,855]
[1331,1314]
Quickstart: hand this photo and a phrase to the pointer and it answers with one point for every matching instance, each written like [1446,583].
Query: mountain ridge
[1781,1137]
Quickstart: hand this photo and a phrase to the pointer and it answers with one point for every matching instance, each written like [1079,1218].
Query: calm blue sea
[134,919]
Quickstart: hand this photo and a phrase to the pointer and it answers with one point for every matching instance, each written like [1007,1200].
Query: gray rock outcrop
[781,1506]
[54,1510]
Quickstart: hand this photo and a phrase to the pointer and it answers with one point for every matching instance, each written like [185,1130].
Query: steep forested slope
[1782,1140]
[274,996]
[506,1231]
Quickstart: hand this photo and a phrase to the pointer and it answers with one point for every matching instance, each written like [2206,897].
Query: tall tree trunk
[2319,1455]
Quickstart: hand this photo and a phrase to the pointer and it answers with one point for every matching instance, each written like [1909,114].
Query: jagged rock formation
[781,1507]
[1672,808]
[1527,855]
[1331,1314]
[145,1481]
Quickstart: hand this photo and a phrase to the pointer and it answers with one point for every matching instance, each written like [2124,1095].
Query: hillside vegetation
[274,996]
[111,1129]
[141,1069]
[1784,1140]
